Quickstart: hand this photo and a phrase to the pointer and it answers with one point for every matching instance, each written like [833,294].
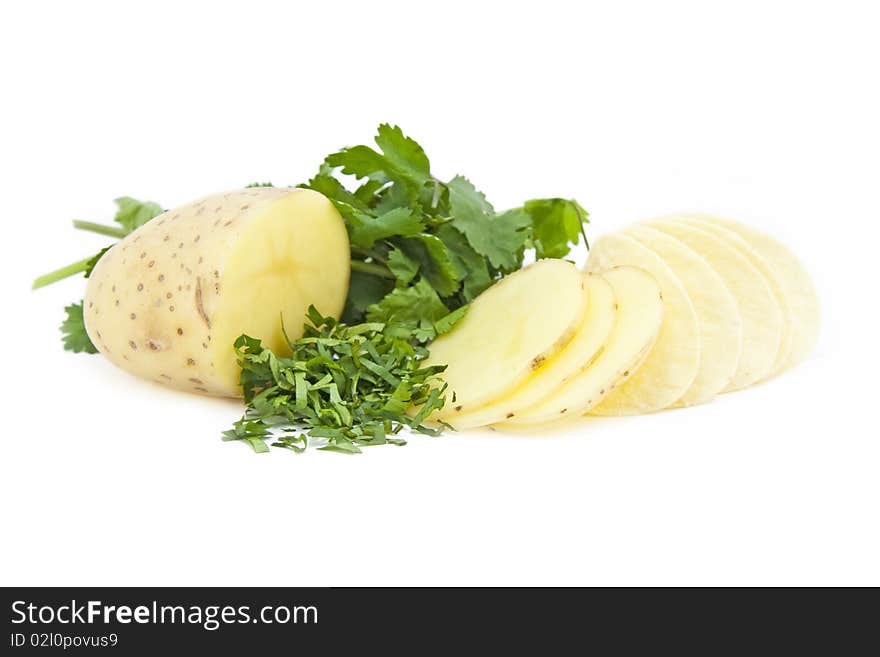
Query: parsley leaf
[556,222]
[366,229]
[410,308]
[133,214]
[73,331]
[499,237]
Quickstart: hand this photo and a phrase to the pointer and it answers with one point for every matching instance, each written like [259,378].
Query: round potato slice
[767,270]
[674,361]
[508,333]
[760,312]
[720,323]
[796,285]
[577,356]
[637,322]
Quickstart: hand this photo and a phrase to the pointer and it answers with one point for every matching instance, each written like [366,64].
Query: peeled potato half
[637,321]
[508,333]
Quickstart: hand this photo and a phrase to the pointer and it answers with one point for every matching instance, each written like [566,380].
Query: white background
[765,111]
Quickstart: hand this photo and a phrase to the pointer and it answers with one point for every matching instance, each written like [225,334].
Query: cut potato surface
[758,308]
[673,363]
[796,283]
[168,301]
[577,356]
[717,314]
[508,333]
[637,323]
[767,270]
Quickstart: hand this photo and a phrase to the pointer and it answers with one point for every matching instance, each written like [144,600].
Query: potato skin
[152,301]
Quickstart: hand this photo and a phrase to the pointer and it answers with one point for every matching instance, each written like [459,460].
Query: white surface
[762,111]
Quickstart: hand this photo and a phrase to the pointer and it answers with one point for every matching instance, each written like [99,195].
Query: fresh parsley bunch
[420,247]
[346,386]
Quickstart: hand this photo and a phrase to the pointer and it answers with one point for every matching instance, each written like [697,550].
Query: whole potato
[167,302]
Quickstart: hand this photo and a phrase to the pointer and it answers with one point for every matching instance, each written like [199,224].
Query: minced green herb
[343,387]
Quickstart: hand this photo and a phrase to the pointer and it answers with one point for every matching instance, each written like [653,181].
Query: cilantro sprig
[421,247]
[343,388]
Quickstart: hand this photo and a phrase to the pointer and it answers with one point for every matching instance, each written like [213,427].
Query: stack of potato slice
[668,313]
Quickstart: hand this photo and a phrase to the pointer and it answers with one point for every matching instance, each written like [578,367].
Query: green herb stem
[59,274]
[372,268]
[100,229]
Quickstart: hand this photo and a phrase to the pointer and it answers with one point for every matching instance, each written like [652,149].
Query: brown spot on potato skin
[190,362]
[458,408]
[154,346]
[180,331]
[509,415]
[200,308]
[161,277]
[563,411]
[537,361]
[195,380]
[132,344]
[626,373]
[140,287]
[132,316]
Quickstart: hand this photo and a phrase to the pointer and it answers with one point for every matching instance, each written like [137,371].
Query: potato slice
[509,331]
[637,323]
[760,312]
[577,356]
[796,284]
[767,270]
[168,301]
[718,316]
[674,361]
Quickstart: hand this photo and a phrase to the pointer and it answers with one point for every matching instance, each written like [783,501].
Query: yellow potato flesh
[760,312]
[577,356]
[637,321]
[717,313]
[674,360]
[795,283]
[509,331]
[167,302]
[767,271]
